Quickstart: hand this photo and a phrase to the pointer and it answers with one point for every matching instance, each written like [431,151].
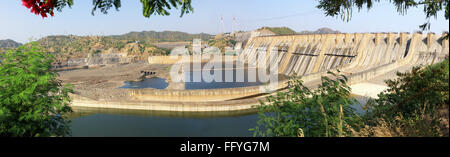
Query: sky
[19,24]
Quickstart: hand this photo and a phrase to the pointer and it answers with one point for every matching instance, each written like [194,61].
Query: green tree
[33,103]
[299,111]
[344,8]
[149,7]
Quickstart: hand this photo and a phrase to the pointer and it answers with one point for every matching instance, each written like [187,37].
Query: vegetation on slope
[416,104]
[300,111]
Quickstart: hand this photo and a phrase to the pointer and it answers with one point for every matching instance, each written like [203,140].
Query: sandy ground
[103,83]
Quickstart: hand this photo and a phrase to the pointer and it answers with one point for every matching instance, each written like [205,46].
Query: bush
[32,101]
[416,103]
[324,112]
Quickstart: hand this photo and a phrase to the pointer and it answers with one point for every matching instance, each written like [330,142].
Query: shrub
[32,101]
[416,103]
[299,111]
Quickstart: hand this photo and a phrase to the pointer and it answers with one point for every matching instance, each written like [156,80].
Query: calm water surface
[128,123]
[90,122]
[207,80]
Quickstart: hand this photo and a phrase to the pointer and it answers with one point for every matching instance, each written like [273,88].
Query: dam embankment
[362,57]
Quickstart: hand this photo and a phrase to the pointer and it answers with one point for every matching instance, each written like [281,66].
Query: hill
[289,31]
[166,36]
[279,30]
[7,44]
[140,44]
[323,30]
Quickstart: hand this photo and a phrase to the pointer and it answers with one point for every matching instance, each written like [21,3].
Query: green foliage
[105,5]
[324,112]
[149,7]
[32,101]
[414,100]
[344,8]
[161,7]
[421,89]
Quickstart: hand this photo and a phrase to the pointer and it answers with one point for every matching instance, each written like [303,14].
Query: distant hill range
[289,31]
[7,44]
[323,30]
[166,36]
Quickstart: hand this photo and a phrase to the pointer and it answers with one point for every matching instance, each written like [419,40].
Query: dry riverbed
[103,83]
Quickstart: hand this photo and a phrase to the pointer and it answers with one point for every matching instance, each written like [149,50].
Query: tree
[299,111]
[32,101]
[344,8]
[150,7]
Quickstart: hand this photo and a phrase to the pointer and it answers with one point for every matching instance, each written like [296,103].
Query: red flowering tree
[40,7]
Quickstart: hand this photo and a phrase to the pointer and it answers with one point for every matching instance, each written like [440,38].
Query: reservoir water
[91,122]
[208,80]
[88,122]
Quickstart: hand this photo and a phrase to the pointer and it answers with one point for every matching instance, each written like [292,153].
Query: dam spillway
[361,56]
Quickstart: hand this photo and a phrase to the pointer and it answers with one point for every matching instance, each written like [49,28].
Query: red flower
[40,7]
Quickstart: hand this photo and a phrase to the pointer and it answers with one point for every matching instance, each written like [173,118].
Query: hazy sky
[17,23]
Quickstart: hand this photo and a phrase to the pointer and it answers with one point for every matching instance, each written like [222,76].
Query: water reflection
[87,111]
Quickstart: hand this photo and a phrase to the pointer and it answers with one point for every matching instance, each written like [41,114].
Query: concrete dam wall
[359,56]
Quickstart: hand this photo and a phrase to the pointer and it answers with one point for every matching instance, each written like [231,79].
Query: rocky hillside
[138,44]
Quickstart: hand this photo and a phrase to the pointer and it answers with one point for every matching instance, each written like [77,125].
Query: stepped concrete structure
[361,57]
[367,59]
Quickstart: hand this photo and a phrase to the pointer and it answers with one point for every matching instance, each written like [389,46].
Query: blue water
[226,79]
[200,80]
[154,82]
